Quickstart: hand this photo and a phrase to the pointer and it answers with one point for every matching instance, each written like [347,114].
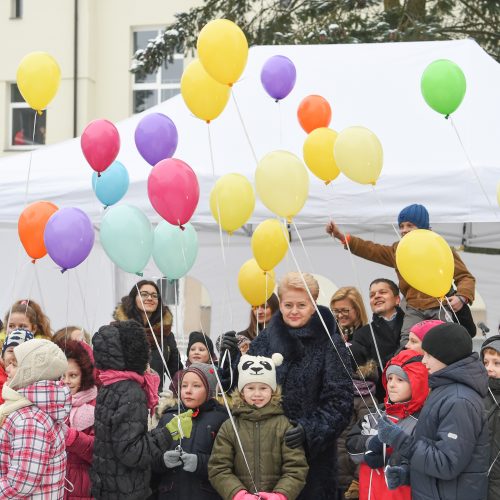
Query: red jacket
[3,379]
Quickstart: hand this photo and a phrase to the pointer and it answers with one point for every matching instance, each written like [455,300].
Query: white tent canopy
[427,159]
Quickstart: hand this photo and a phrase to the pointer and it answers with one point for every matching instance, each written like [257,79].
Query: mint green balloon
[443,86]
[127,237]
[174,249]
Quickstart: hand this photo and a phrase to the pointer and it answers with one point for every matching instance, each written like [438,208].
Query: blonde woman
[349,311]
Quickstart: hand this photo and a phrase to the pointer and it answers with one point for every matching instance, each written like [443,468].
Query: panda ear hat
[258,369]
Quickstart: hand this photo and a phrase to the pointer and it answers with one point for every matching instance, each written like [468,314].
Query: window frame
[16,9]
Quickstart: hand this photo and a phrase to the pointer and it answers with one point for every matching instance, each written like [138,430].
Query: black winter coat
[317,391]
[123,448]
[177,483]
[363,348]
[492,404]
[449,451]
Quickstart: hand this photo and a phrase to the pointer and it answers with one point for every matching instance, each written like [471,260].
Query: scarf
[150,382]
[81,415]
[13,401]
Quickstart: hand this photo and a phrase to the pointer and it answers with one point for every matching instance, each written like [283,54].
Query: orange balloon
[31,226]
[313,112]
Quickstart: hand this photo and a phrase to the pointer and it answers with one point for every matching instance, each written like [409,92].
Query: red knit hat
[420,329]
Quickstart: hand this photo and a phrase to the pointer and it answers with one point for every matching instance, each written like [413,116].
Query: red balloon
[173,190]
[100,144]
[314,112]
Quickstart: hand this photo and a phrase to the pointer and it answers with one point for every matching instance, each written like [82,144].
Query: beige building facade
[93,42]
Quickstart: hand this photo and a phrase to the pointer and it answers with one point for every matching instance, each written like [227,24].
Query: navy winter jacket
[317,391]
[449,451]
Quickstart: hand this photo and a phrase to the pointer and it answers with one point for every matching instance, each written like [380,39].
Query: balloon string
[67,311]
[377,197]
[348,371]
[280,124]
[471,165]
[39,288]
[85,317]
[244,127]
[212,162]
[98,295]
[29,163]
[226,404]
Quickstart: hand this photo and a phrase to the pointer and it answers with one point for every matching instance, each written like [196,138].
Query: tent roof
[374,85]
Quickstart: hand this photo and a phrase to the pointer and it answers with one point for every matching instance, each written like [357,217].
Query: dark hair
[133,312]
[392,285]
[74,350]
[252,329]
[39,321]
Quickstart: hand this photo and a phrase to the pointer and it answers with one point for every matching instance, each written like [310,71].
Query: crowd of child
[417,415]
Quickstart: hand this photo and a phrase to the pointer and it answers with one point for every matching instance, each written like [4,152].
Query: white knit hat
[38,359]
[258,369]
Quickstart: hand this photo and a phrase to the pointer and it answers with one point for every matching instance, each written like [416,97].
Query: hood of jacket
[411,363]
[468,371]
[248,412]
[120,315]
[12,401]
[52,397]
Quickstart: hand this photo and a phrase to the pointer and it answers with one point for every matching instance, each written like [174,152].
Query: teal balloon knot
[140,274]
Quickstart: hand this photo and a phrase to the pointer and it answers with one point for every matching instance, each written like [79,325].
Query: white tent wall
[375,85]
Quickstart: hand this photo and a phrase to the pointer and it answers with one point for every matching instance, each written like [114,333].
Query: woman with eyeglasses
[146,307]
[349,311]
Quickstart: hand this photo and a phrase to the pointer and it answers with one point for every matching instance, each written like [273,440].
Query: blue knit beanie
[416,214]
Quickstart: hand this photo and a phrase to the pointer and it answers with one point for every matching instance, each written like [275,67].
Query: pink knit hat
[420,329]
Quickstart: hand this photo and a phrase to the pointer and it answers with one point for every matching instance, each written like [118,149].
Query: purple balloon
[278,76]
[156,138]
[69,237]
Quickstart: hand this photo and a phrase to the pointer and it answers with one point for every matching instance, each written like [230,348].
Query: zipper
[256,454]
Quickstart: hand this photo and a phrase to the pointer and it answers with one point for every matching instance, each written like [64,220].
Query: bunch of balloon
[314,112]
[100,143]
[426,262]
[174,191]
[174,250]
[127,238]
[443,86]
[31,227]
[256,285]
[68,237]
[278,76]
[359,155]
[232,201]
[112,185]
[282,183]
[156,138]
[223,50]
[318,154]
[269,244]
[38,78]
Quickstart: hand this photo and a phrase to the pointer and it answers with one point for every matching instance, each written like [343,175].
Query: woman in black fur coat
[317,389]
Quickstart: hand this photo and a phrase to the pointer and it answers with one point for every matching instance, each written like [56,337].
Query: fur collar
[290,341]
[120,315]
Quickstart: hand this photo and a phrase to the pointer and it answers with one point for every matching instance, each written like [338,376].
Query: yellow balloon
[282,183]
[269,244]
[223,50]
[205,97]
[318,154]
[359,154]
[233,199]
[38,77]
[255,285]
[426,262]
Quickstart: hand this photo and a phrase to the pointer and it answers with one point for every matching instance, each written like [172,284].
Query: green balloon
[443,86]
[127,237]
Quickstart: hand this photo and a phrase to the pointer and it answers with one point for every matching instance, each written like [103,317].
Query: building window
[22,122]
[16,9]
[164,83]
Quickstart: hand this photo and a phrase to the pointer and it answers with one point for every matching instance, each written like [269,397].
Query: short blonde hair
[352,294]
[296,280]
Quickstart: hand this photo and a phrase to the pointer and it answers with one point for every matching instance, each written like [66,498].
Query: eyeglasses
[341,312]
[147,295]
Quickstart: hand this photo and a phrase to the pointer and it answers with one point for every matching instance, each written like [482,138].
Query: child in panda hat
[259,461]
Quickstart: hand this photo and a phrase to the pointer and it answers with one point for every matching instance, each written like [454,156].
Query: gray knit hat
[38,359]
[207,375]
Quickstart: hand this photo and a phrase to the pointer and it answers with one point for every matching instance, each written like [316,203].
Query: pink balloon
[100,144]
[173,190]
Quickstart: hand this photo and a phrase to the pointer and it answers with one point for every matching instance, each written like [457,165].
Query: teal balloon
[127,237]
[175,250]
[112,185]
[443,86]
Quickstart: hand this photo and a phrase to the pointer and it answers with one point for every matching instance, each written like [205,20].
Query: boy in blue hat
[419,306]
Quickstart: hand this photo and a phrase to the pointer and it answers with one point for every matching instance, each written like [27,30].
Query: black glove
[229,343]
[295,437]
[374,457]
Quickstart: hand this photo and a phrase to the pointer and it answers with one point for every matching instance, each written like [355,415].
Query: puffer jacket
[123,449]
[275,467]
[449,451]
[32,451]
[492,404]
